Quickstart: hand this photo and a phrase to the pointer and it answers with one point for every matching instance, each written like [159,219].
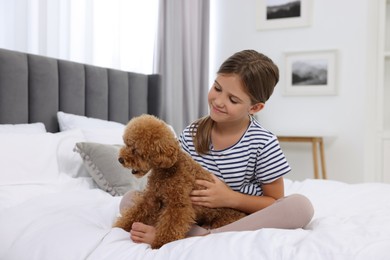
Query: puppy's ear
[165,153]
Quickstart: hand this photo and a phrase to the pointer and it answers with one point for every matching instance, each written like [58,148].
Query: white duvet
[69,220]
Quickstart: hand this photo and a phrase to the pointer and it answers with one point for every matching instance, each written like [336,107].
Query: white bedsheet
[71,221]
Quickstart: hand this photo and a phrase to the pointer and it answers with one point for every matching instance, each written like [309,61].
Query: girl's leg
[291,212]
[197,231]
[143,230]
[127,201]
[139,233]
[294,211]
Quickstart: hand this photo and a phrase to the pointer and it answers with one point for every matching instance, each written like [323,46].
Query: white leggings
[291,212]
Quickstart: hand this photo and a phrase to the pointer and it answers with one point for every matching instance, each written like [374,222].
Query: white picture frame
[310,73]
[279,14]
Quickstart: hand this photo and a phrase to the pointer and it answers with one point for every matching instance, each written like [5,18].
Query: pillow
[108,135]
[54,150]
[104,136]
[33,128]
[70,121]
[101,161]
[69,162]
[27,158]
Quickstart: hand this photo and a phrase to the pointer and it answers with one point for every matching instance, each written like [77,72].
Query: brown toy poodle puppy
[150,145]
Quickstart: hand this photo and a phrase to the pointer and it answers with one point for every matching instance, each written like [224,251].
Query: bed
[60,185]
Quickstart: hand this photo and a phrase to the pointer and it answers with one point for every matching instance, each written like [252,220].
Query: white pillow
[109,135]
[95,130]
[27,158]
[104,136]
[69,162]
[33,128]
[41,157]
[70,121]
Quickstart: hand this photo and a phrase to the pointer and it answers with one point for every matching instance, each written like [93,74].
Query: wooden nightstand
[317,145]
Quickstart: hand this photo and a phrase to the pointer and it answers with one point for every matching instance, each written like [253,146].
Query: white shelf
[383,90]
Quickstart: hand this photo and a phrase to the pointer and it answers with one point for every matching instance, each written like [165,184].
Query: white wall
[342,119]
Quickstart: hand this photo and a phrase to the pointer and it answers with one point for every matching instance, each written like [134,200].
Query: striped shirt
[255,159]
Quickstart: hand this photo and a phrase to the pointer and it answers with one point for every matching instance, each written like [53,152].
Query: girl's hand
[216,195]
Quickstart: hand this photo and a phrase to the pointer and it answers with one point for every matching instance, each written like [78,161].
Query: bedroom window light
[119,34]
[124,34]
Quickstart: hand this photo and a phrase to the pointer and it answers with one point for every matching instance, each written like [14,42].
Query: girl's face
[227,100]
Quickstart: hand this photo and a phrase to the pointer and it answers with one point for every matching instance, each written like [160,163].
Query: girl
[246,159]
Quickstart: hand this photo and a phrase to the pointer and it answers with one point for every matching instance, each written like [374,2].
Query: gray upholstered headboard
[33,88]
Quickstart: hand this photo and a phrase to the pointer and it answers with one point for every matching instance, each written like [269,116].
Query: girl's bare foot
[141,233]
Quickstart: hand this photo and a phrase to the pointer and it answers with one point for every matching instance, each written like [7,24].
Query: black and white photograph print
[280,14]
[279,9]
[310,73]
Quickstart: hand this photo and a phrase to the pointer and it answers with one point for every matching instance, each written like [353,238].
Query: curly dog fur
[165,203]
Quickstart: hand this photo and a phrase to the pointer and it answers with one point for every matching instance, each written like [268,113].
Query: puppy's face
[149,143]
[131,158]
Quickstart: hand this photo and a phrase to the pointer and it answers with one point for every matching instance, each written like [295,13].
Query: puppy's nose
[121,160]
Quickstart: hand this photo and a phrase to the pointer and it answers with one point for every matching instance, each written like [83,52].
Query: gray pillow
[101,161]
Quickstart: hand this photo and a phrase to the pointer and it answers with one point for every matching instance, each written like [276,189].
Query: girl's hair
[258,75]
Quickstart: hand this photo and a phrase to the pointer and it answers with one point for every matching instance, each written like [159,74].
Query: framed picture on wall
[278,14]
[310,73]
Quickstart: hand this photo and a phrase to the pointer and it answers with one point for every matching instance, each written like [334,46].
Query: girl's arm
[219,195]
